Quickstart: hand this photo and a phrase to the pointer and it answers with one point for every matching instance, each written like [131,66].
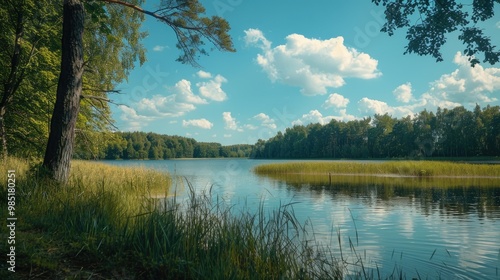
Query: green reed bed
[299,180]
[105,223]
[398,168]
[203,239]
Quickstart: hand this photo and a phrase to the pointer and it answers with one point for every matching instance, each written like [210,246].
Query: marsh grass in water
[325,180]
[105,224]
[396,168]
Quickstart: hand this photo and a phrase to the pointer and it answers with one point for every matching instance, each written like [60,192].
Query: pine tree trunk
[62,127]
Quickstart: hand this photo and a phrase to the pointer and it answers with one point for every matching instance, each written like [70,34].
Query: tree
[378,136]
[429,22]
[112,41]
[27,51]
[183,16]
[30,50]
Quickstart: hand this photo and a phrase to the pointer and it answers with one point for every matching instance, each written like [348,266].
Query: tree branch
[188,27]
[110,122]
[155,15]
[118,91]
[100,99]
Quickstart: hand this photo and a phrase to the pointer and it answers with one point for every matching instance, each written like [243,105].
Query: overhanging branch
[153,14]
[100,99]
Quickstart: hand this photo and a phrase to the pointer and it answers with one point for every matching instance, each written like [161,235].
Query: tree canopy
[142,145]
[185,17]
[445,133]
[429,22]
[101,45]
[30,60]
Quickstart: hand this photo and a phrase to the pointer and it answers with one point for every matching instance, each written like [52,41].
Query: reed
[399,168]
[106,224]
[326,180]
[205,239]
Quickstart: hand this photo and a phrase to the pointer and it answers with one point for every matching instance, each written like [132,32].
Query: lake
[448,229]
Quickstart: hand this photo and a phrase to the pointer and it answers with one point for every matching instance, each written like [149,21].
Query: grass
[106,223]
[397,168]
[301,180]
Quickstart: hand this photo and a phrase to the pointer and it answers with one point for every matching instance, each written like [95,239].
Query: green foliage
[142,145]
[429,23]
[446,133]
[29,52]
[112,45]
[356,184]
[394,168]
[190,25]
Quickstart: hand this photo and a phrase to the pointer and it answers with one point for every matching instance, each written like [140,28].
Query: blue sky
[296,63]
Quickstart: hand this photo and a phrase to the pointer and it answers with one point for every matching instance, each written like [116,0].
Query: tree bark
[59,151]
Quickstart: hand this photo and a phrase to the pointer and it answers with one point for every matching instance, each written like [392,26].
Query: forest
[142,145]
[454,132]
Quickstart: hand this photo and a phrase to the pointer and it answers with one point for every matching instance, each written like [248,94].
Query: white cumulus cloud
[149,109]
[371,107]
[180,101]
[213,88]
[256,37]
[230,122]
[336,100]
[162,106]
[265,120]
[201,123]
[204,75]
[344,116]
[314,116]
[465,86]
[311,64]
[403,93]
[134,121]
[184,94]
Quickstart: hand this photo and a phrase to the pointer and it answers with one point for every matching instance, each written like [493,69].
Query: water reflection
[440,228]
[447,196]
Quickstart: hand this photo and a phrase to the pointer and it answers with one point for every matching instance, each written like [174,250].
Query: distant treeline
[446,133]
[142,145]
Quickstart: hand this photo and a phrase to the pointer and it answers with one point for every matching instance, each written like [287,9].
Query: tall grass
[324,179]
[106,224]
[75,221]
[205,239]
[399,168]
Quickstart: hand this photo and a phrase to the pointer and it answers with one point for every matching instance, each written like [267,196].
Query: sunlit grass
[399,168]
[105,224]
[138,181]
[204,239]
[20,166]
[327,179]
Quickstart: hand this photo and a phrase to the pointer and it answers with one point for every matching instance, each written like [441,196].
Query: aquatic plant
[399,168]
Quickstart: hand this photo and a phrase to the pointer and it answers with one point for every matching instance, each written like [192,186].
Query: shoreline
[386,175]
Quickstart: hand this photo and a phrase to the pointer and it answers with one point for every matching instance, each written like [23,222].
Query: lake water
[428,230]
